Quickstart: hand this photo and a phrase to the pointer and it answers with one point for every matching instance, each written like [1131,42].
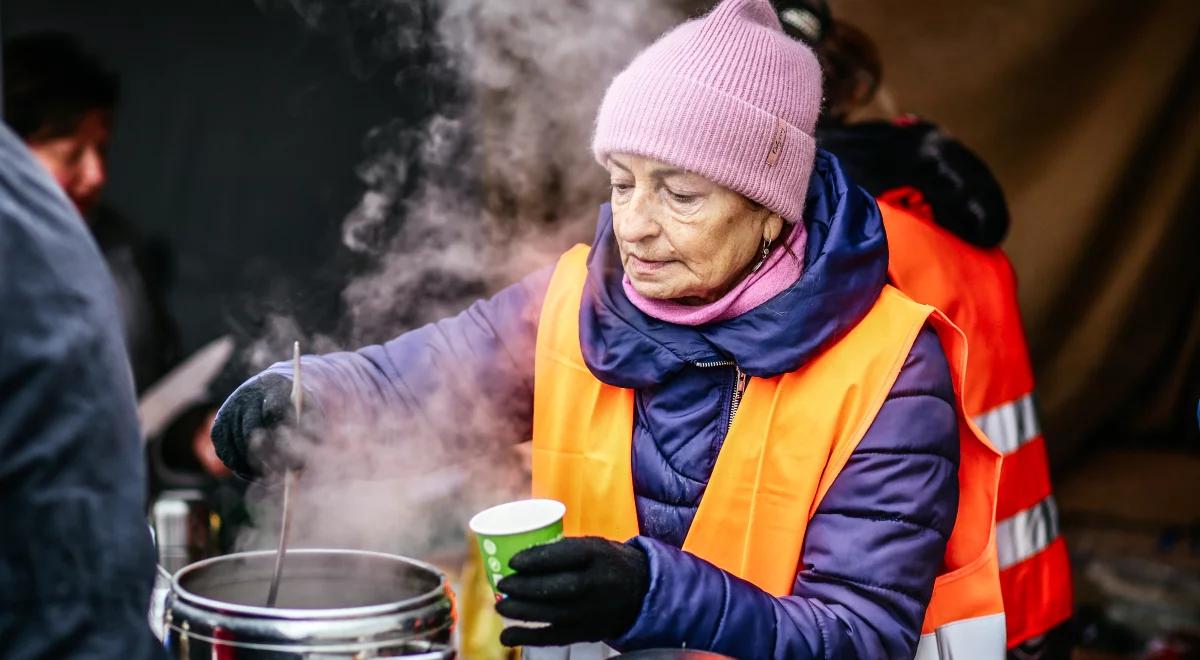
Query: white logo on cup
[494,564]
[496,577]
[489,547]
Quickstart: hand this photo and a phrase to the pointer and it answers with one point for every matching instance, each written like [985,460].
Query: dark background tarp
[236,140]
[1089,113]
[239,132]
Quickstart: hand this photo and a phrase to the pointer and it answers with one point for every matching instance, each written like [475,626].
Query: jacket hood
[845,268]
[964,195]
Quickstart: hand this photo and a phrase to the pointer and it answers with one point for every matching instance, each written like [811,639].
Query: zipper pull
[738,389]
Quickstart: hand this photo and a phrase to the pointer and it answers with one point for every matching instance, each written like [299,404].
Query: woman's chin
[652,288]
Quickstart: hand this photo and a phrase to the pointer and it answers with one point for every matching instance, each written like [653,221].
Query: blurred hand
[205,452]
[255,431]
[588,589]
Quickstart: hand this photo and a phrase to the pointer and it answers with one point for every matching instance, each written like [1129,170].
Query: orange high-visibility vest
[790,438]
[976,288]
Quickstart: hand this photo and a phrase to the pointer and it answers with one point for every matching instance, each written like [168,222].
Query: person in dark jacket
[910,163]
[732,256]
[882,156]
[60,101]
[76,561]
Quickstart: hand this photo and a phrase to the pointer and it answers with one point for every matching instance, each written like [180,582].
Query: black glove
[256,433]
[588,589]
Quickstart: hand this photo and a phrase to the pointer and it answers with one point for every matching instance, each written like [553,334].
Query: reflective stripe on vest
[1010,425]
[584,651]
[930,265]
[765,486]
[1020,536]
[1027,532]
[963,640]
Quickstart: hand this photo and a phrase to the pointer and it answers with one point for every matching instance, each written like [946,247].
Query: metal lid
[416,583]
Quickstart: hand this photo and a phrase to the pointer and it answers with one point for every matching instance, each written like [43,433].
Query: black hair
[851,69]
[849,59]
[50,82]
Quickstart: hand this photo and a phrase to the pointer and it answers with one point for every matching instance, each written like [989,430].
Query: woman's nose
[636,222]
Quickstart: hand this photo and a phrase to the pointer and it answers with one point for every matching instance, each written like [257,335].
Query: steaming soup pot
[333,604]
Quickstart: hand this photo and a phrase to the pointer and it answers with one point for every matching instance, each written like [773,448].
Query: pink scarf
[781,270]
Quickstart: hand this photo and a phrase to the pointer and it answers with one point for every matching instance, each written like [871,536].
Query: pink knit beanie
[728,96]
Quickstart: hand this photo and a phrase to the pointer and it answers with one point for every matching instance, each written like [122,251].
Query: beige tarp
[1089,113]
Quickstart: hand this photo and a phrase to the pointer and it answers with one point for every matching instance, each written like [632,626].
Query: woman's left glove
[588,589]
[255,431]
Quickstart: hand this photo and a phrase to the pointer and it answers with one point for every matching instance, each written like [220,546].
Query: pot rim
[296,614]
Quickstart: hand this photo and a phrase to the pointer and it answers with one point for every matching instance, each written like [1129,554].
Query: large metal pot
[332,604]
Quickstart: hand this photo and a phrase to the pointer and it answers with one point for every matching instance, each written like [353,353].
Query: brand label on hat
[777,143]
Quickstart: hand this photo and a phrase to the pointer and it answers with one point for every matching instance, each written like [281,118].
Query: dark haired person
[945,216]
[76,561]
[59,100]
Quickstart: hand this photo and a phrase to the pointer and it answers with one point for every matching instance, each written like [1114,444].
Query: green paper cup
[505,530]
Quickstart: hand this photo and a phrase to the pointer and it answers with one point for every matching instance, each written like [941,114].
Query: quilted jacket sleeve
[870,555]
[466,373]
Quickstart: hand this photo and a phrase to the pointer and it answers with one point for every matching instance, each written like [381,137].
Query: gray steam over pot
[332,604]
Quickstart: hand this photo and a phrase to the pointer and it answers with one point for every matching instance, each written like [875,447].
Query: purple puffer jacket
[877,540]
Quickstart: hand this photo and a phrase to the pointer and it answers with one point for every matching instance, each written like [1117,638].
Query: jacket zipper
[739,385]
[738,389]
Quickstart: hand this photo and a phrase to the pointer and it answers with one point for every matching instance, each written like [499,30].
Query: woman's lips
[644,267]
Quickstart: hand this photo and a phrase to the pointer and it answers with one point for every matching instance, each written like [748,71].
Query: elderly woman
[760,443]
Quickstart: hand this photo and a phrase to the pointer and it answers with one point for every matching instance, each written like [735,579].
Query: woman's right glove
[255,431]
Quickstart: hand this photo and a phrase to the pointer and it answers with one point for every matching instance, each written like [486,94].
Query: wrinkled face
[78,160]
[682,237]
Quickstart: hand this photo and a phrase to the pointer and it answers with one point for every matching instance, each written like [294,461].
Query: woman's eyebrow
[665,172]
[619,165]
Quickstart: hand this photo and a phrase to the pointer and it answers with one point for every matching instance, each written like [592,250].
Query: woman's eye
[681,198]
[620,188]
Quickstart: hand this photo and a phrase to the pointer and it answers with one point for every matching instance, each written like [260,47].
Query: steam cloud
[494,185]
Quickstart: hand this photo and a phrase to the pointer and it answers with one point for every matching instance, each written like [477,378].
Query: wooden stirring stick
[288,478]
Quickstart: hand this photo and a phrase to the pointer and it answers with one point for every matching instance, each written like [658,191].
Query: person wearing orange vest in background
[945,216]
[761,445]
